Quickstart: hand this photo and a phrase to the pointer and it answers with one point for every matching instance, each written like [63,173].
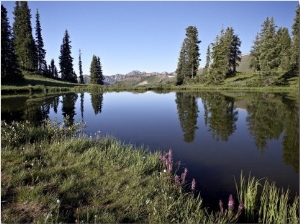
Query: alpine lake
[214,135]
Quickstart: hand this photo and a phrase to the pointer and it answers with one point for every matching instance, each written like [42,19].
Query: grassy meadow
[54,173]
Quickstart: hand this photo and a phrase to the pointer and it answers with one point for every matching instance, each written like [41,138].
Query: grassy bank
[35,84]
[50,175]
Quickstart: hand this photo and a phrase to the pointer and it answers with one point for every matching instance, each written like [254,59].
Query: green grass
[266,203]
[49,175]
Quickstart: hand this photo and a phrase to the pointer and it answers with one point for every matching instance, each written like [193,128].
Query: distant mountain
[134,72]
[133,77]
[244,64]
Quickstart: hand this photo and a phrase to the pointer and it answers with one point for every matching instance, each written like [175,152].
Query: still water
[215,136]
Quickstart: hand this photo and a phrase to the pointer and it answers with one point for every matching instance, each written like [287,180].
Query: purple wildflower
[230,203]
[178,164]
[183,176]
[193,185]
[170,155]
[221,206]
[240,208]
[177,181]
[170,166]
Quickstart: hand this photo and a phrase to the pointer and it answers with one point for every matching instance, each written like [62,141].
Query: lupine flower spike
[183,176]
[230,203]
[240,208]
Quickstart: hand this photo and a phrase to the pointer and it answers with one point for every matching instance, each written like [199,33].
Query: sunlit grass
[266,203]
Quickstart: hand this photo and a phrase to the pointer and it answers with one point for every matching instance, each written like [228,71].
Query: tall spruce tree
[235,53]
[66,60]
[41,52]
[268,58]
[207,58]
[96,71]
[99,71]
[80,69]
[181,70]
[189,57]
[219,55]
[255,53]
[23,40]
[295,43]
[53,69]
[9,65]
[283,40]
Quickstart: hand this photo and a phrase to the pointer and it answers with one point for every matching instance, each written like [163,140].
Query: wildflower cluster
[230,213]
[167,160]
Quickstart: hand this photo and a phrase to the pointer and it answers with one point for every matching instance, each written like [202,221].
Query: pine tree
[99,71]
[283,41]
[80,69]
[182,65]
[53,69]
[295,43]
[9,65]
[188,62]
[23,40]
[220,59]
[66,60]
[96,71]
[235,53]
[255,53]
[41,52]
[207,58]
[268,58]
[193,50]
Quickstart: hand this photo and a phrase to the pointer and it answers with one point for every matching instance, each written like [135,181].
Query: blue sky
[146,36]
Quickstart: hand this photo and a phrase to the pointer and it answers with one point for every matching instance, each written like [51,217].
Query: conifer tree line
[22,53]
[274,51]
[96,71]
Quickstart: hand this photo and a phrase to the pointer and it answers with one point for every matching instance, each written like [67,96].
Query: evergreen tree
[295,43]
[53,69]
[188,63]
[99,71]
[283,40]
[41,52]
[255,53]
[23,40]
[66,60]
[9,65]
[235,53]
[220,58]
[80,69]
[268,58]
[182,65]
[207,58]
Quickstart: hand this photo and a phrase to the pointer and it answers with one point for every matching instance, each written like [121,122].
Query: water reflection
[290,141]
[68,107]
[187,114]
[219,115]
[97,102]
[268,118]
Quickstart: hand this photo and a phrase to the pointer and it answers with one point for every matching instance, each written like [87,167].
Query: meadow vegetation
[55,173]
